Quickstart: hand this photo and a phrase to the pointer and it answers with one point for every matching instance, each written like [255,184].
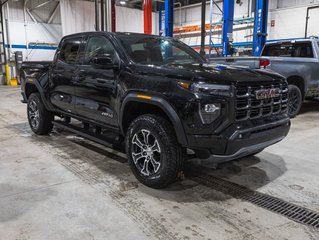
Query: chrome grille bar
[248,107]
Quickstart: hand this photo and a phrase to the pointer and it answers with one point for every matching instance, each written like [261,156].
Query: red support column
[148,16]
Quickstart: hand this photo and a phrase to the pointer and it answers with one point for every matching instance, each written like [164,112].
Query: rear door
[304,54]
[95,88]
[62,73]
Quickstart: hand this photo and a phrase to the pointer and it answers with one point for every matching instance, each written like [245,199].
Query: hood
[218,74]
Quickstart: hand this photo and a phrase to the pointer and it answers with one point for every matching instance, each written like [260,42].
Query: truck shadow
[250,172]
[204,181]
[309,106]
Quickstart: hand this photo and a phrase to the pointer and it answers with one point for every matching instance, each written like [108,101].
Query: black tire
[40,119]
[294,100]
[165,166]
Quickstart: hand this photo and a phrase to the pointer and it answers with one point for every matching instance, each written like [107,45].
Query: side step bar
[98,138]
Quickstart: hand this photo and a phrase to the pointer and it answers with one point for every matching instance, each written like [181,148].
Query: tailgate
[249,62]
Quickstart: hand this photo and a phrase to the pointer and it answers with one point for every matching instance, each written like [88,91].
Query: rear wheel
[40,119]
[154,154]
[294,101]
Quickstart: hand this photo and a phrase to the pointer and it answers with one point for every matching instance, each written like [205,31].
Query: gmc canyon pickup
[159,97]
[297,60]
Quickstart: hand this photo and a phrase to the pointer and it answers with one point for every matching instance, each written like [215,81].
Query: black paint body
[100,96]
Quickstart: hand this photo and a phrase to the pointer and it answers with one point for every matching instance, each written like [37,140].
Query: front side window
[97,46]
[158,51]
[69,50]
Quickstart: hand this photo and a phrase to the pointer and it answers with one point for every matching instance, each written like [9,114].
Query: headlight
[209,112]
[212,89]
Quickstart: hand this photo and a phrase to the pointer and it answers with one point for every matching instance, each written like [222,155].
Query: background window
[303,50]
[278,50]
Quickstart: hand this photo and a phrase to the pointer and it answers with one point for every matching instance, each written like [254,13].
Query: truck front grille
[248,107]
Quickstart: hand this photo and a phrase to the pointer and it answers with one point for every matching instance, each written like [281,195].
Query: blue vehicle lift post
[260,26]
[160,18]
[169,17]
[228,22]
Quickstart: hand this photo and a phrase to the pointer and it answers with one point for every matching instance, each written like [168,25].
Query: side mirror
[102,61]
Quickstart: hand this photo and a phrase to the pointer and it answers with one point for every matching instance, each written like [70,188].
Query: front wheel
[40,119]
[154,154]
[294,100]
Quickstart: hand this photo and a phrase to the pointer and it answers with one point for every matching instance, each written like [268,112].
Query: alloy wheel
[34,114]
[146,152]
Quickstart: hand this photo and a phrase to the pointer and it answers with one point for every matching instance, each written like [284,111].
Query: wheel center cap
[149,151]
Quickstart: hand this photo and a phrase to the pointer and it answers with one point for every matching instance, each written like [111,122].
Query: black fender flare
[35,82]
[165,106]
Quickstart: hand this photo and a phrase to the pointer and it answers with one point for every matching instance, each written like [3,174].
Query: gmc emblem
[267,93]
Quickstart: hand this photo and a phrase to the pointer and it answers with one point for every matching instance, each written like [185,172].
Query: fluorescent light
[122,2]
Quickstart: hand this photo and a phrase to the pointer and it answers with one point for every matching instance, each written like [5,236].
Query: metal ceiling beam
[31,16]
[41,5]
[54,12]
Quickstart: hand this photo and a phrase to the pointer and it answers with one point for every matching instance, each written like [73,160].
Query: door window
[69,50]
[99,45]
[303,50]
[278,50]
[298,49]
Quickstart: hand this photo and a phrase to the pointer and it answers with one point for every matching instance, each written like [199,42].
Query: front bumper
[238,141]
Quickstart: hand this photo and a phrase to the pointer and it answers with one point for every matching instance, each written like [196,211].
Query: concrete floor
[63,187]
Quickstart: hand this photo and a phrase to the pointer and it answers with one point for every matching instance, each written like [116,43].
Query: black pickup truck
[156,96]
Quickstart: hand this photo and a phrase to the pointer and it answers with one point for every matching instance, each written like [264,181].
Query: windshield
[158,51]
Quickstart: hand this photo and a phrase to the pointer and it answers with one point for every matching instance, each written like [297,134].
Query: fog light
[210,112]
[210,108]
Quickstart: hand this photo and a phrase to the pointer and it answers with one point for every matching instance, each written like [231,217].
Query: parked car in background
[297,60]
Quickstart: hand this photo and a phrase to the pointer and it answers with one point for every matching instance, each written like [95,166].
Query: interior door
[95,87]
[62,73]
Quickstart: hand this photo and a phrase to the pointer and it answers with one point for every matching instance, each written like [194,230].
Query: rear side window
[69,50]
[278,50]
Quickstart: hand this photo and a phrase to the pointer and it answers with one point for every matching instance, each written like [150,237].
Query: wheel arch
[35,87]
[133,107]
[299,82]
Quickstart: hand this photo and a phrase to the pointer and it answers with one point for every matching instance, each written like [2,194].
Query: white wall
[290,23]
[132,20]
[77,16]
[24,35]
[39,35]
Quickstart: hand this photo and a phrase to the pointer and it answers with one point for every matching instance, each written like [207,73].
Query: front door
[95,86]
